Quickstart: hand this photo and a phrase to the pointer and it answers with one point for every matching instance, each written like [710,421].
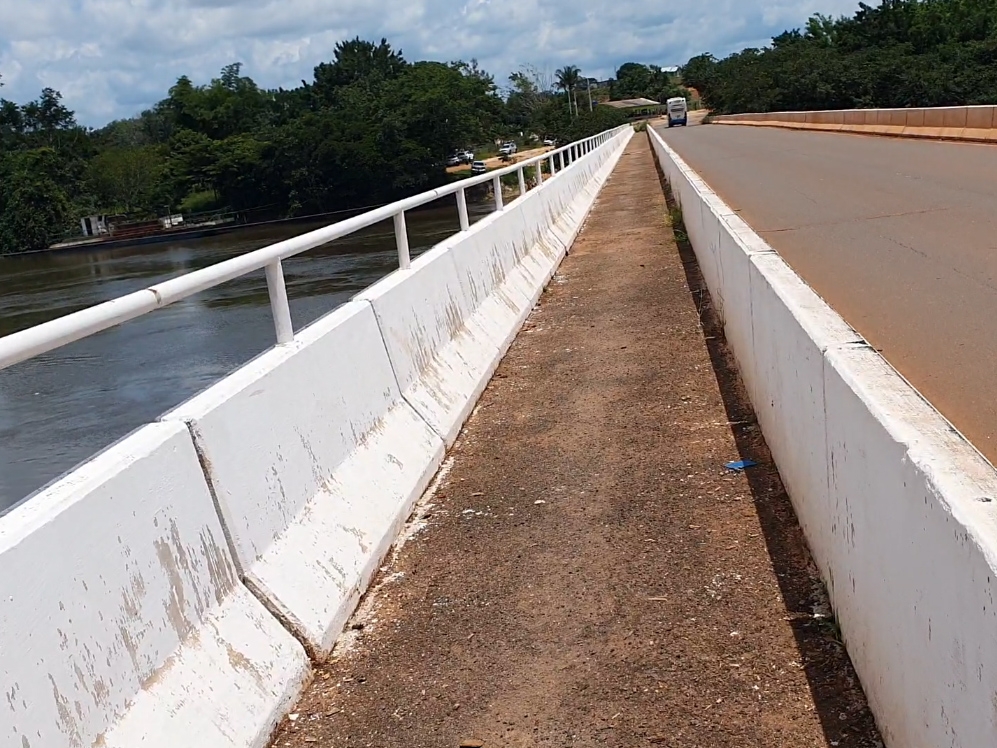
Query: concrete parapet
[899,510]
[123,621]
[972,123]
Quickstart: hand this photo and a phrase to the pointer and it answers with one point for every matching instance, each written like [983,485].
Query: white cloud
[112,58]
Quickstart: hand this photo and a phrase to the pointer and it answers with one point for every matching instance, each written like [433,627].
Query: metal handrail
[48,336]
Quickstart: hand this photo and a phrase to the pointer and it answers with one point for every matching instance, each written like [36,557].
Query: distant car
[478,167]
[550,141]
[459,157]
[507,149]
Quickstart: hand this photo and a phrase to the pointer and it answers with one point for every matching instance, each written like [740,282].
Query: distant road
[899,236]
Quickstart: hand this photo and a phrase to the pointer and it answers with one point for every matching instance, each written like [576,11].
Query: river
[59,409]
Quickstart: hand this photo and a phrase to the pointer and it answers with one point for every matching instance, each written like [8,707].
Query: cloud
[112,58]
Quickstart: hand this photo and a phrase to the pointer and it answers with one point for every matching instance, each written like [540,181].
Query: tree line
[901,53]
[369,127]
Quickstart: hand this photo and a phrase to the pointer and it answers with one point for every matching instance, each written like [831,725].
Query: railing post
[552,171]
[522,181]
[278,303]
[540,172]
[560,161]
[465,224]
[497,189]
[401,241]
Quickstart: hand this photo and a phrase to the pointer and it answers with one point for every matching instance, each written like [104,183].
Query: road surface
[899,236]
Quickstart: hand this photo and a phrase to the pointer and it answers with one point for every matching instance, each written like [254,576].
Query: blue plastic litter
[741,465]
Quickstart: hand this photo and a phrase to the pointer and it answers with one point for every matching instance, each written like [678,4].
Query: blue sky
[112,58]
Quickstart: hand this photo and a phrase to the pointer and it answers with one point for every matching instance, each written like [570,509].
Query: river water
[59,409]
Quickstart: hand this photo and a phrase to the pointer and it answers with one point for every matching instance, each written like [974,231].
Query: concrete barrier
[315,461]
[202,559]
[444,344]
[971,123]
[122,619]
[317,450]
[899,510]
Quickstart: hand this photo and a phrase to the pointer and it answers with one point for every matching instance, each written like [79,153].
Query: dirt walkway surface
[588,573]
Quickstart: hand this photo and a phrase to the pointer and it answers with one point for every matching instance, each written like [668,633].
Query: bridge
[668,449]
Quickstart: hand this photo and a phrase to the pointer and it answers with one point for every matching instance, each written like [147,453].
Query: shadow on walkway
[834,686]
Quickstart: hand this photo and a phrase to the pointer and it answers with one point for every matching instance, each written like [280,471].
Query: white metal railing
[48,336]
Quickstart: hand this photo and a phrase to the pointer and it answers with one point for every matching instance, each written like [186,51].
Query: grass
[200,202]
[678,226]
[829,627]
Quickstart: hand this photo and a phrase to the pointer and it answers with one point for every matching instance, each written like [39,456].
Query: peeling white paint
[899,509]
[142,596]
[121,615]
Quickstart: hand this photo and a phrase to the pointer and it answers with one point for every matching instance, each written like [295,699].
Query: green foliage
[124,178]
[900,53]
[636,81]
[200,202]
[33,205]
[369,127]
[568,79]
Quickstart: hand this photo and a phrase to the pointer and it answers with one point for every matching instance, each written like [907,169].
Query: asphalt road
[899,236]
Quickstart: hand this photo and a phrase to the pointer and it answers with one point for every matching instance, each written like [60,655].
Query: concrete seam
[205,464]
[394,373]
[282,619]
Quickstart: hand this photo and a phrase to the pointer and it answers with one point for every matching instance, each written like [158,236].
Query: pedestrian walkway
[587,572]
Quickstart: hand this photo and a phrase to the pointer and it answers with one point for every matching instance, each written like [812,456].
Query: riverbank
[197,233]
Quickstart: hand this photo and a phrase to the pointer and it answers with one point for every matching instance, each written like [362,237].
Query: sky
[114,58]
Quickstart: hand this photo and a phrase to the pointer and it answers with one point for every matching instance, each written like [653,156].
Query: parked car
[462,156]
[507,149]
[550,141]
[478,167]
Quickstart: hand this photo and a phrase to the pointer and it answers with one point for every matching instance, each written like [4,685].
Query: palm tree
[568,79]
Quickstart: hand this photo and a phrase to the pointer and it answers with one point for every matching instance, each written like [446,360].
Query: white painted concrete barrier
[447,321]
[157,595]
[317,450]
[122,619]
[315,461]
[900,511]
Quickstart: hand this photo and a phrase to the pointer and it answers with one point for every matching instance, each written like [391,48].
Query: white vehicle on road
[677,110]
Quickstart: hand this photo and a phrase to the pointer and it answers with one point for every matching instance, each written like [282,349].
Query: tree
[355,61]
[127,178]
[568,79]
[369,127]
[530,91]
[34,207]
[898,53]
[635,81]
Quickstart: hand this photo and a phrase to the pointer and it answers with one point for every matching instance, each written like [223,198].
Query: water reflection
[60,408]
